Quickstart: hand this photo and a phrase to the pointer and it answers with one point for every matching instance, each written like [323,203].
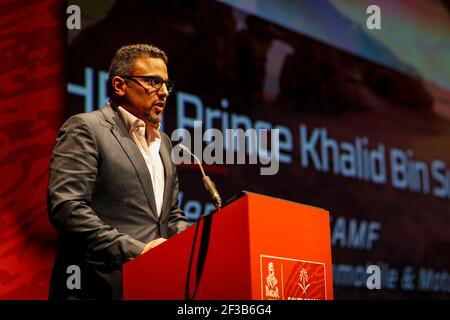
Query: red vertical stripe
[32,88]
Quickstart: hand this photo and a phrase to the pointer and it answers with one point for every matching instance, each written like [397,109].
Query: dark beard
[154,120]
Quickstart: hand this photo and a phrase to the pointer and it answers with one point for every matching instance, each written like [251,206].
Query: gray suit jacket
[100,199]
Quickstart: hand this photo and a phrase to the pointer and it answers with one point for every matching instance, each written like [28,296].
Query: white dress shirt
[149,146]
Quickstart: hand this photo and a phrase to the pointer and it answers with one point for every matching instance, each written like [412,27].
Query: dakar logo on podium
[271,283]
[303,278]
[291,279]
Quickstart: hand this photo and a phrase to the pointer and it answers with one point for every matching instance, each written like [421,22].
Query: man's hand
[153,244]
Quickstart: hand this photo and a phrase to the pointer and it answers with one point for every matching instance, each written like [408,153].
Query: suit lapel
[164,152]
[133,153]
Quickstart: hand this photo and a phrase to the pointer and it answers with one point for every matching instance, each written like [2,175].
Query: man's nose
[163,90]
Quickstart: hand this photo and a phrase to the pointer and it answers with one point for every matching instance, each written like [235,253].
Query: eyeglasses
[155,82]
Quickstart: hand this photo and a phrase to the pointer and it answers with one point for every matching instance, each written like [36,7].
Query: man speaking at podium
[113,190]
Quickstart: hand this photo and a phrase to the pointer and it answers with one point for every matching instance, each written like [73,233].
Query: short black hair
[123,61]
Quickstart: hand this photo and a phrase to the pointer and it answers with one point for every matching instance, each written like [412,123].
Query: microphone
[209,185]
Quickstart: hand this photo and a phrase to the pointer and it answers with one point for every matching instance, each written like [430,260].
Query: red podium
[255,248]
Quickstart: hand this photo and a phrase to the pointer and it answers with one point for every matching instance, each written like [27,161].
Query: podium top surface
[243,193]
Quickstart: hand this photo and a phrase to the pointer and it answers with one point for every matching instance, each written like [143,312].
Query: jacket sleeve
[72,177]
[177,219]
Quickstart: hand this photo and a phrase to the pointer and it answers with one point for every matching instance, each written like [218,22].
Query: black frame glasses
[155,81]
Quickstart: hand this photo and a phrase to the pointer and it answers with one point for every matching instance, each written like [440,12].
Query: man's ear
[119,86]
